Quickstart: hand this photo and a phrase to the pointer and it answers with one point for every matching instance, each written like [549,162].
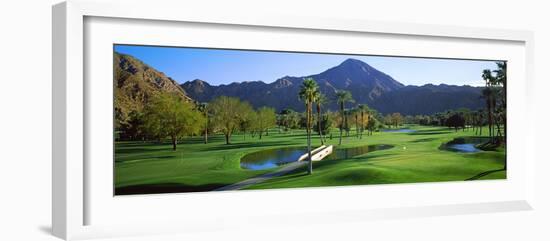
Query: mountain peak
[359,76]
[355,64]
[197,86]
[354,67]
[352,61]
[199,82]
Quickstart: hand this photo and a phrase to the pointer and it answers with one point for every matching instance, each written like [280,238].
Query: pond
[464,144]
[267,159]
[346,153]
[271,158]
[468,147]
[402,130]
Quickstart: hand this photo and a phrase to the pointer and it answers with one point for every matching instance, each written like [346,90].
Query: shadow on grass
[132,150]
[418,133]
[424,140]
[435,131]
[478,176]
[200,139]
[152,158]
[364,160]
[222,147]
[165,188]
[286,135]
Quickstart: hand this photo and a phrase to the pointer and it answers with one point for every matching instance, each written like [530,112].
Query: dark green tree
[342,97]
[308,92]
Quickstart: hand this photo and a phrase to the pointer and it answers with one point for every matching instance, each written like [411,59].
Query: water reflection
[346,153]
[267,159]
[465,144]
[468,147]
[404,130]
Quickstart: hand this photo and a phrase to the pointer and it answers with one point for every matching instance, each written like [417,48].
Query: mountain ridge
[367,85]
[136,82]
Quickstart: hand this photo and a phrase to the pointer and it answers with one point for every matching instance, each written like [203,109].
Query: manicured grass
[415,157]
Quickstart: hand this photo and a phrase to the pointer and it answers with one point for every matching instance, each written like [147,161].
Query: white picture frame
[74,198]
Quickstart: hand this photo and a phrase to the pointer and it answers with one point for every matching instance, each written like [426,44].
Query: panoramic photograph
[204,119]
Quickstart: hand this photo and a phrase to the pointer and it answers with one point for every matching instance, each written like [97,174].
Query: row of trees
[462,118]
[363,119]
[394,120]
[168,116]
[229,115]
[361,115]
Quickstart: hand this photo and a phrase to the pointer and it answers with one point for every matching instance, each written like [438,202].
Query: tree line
[168,116]
[493,115]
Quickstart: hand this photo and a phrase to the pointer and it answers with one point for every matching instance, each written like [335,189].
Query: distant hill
[429,99]
[367,85]
[136,82]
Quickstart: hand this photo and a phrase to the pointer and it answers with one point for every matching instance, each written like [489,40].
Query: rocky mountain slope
[135,83]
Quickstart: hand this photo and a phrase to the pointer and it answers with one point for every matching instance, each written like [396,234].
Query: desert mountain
[366,83]
[136,82]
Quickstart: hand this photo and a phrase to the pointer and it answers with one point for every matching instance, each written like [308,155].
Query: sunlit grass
[415,157]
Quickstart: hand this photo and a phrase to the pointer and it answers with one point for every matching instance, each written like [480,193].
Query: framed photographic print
[353,120]
[182,115]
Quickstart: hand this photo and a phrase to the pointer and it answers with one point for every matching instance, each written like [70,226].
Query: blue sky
[226,66]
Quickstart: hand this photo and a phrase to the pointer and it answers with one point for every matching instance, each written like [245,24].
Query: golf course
[349,124]
[415,156]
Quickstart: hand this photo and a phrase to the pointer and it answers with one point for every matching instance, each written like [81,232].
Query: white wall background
[25,120]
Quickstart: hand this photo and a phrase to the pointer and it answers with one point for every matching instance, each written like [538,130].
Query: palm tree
[480,121]
[347,127]
[496,100]
[363,108]
[307,94]
[342,97]
[501,80]
[487,94]
[491,93]
[370,124]
[203,108]
[319,100]
[355,112]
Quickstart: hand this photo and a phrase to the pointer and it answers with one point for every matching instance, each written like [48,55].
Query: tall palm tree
[487,94]
[342,96]
[355,112]
[320,99]
[363,108]
[347,114]
[501,80]
[307,93]
[480,121]
[203,108]
[490,93]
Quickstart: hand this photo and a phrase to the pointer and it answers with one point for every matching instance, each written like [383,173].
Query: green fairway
[415,157]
